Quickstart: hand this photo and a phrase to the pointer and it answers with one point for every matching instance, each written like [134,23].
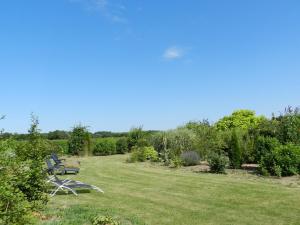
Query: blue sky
[113,64]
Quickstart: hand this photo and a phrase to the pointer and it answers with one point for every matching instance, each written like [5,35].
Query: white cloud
[173,53]
[114,12]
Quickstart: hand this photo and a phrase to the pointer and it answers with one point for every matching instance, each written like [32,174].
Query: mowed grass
[145,193]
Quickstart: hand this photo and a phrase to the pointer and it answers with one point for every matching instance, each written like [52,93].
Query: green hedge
[105,146]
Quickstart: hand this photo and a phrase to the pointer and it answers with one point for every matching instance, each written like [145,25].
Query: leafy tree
[243,119]
[80,141]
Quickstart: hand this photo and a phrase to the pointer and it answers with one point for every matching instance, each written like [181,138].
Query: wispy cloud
[111,10]
[173,53]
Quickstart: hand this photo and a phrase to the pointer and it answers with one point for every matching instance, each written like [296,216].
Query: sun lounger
[69,185]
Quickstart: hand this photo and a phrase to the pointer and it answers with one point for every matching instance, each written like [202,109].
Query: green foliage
[289,126]
[122,145]
[264,146]
[172,143]
[190,158]
[22,177]
[137,138]
[235,152]
[104,220]
[143,154]
[80,141]
[208,138]
[217,162]
[58,135]
[176,162]
[32,176]
[105,146]
[60,146]
[283,160]
[243,119]
[14,206]
[109,134]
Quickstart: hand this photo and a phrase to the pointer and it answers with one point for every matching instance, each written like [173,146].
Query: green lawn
[145,193]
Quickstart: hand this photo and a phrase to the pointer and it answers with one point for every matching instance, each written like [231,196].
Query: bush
[143,154]
[283,160]
[14,206]
[122,145]
[235,151]
[172,143]
[104,220]
[217,162]
[79,141]
[105,147]
[264,146]
[176,162]
[137,138]
[22,178]
[190,158]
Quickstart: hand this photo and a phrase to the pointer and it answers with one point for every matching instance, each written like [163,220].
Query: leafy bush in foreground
[22,178]
[190,158]
[217,162]
[14,206]
[105,147]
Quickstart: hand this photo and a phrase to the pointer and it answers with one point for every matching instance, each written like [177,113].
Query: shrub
[122,145]
[208,138]
[104,220]
[217,162]
[149,153]
[176,162]
[289,126]
[105,147]
[22,178]
[190,158]
[143,154]
[79,141]
[14,206]
[136,138]
[264,146]
[235,151]
[283,160]
[172,143]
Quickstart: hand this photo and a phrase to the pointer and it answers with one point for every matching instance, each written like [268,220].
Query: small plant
[176,162]
[143,154]
[190,158]
[104,220]
[217,162]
